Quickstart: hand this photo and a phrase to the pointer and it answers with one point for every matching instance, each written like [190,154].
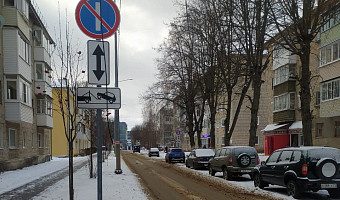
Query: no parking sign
[97,18]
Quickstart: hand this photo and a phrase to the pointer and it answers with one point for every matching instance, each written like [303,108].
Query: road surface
[166,181]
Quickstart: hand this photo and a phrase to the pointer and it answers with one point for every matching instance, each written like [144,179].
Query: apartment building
[26,95]
[166,126]
[327,126]
[285,129]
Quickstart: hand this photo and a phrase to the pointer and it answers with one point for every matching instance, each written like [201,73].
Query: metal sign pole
[116,122]
[99,152]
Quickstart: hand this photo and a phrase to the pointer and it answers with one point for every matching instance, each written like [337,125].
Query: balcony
[284,116]
[284,59]
[44,120]
[17,112]
[40,54]
[43,88]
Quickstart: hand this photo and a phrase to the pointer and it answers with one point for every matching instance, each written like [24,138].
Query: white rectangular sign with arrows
[98,98]
[98,57]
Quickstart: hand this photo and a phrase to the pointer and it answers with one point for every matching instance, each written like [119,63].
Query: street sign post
[98,98]
[98,62]
[98,19]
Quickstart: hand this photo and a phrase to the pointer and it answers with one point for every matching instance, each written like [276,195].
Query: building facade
[167,136]
[123,134]
[26,95]
[327,126]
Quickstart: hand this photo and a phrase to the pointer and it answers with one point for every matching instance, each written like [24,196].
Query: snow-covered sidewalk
[123,186]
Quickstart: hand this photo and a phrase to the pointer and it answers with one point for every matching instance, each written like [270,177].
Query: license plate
[205,165]
[245,170]
[329,185]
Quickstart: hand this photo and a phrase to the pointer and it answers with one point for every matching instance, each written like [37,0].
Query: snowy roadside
[10,180]
[123,186]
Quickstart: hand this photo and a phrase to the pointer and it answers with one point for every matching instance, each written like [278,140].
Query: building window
[23,139]
[39,71]
[8,2]
[284,102]
[12,138]
[24,49]
[223,143]
[329,53]
[217,124]
[337,128]
[257,140]
[282,74]
[24,94]
[22,6]
[222,122]
[330,90]
[318,130]
[39,140]
[1,136]
[317,100]
[32,140]
[11,89]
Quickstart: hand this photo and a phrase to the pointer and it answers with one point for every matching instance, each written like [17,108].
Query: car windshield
[250,151]
[204,152]
[176,150]
[317,154]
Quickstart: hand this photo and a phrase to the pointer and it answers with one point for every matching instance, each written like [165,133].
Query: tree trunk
[305,95]
[254,109]
[70,168]
[212,130]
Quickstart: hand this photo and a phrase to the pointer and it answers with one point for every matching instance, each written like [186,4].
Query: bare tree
[70,74]
[298,22]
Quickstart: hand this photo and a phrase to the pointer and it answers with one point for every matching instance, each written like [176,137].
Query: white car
[153,152]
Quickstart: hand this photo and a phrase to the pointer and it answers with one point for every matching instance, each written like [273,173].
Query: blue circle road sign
[178,132]
[97,18]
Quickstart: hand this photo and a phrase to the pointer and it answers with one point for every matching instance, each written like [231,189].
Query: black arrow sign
[98,52]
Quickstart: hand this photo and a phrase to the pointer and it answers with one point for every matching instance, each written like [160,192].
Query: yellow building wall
[59,141]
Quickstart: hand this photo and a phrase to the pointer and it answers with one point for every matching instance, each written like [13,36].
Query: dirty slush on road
[161,180]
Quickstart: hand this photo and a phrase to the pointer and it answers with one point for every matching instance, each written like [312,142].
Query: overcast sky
[142,28]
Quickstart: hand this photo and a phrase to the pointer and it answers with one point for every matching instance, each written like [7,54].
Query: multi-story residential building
[286,127]
[166,126]
[83,134]
[327,127]
[26,95]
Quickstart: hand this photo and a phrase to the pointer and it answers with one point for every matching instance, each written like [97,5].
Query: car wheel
[334,193]
[169,160]
[194,165]
[226,174]
[293,189]
[211,171]
[243,160]
[258,181]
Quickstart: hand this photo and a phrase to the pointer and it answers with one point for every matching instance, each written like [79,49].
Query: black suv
[234,161]
[301,169]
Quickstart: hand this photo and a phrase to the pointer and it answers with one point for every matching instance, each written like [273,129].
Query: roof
[296,125]
[271,127]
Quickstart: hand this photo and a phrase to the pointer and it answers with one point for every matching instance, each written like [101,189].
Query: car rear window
[204,152]
[154,149]
[176,150]
[250,151]
[317,154]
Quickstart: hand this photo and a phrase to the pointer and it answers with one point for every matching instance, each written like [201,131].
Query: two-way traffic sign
[98,62]
[98,98]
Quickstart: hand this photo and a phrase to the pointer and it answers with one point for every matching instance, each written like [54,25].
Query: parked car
[136,148]
[154,152]
[175,154]
[301,169]
[199,158]
[234,161]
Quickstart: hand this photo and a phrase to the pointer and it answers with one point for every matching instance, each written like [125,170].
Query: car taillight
[258,160]
[304,169]
[230,160]
[170,152]
[197,159]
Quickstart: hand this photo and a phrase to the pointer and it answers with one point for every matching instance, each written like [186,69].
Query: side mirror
[263,163]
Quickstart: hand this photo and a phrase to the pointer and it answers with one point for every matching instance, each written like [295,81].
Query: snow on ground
[122,186]
[12,179]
